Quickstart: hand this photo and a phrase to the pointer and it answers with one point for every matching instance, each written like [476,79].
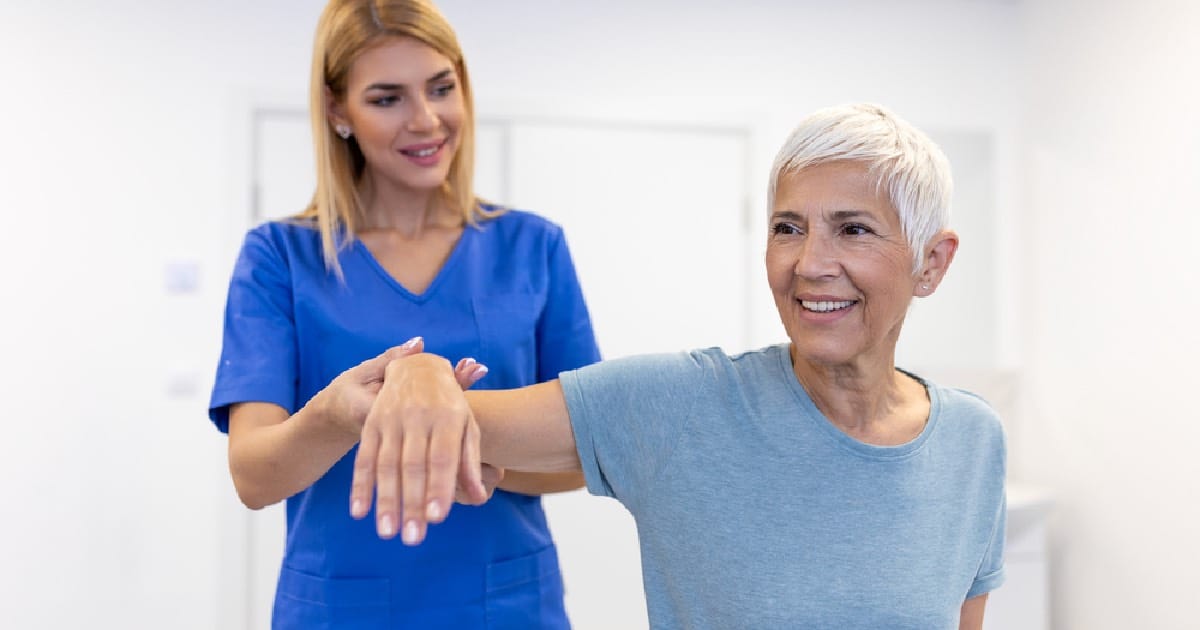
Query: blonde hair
[346,29]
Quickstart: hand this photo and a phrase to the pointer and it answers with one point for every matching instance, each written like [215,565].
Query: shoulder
[285,234]
[286,245]
[522,224]
[970,416]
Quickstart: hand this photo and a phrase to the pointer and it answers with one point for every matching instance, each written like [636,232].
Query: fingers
[491,477]
[362,486]
[442,469]
[468,372]
[469,473]
[411,444]
[372,369]
[388,481]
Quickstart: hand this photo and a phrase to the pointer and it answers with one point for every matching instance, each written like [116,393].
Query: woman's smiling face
[838,264]
[406,110]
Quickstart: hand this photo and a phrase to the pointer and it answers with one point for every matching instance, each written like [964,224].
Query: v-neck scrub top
[509,297]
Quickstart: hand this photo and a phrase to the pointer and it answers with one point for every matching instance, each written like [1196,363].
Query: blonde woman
[394,245]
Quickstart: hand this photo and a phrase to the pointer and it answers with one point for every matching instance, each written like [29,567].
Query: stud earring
[343,131]
[925,287]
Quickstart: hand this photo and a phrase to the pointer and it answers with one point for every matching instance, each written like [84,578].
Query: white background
[125,157]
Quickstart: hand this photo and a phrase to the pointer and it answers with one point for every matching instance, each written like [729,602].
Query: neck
[388,207]
[869,400]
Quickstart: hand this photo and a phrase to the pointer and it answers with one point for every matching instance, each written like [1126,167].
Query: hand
[491,477]
[418,439]
[347,399]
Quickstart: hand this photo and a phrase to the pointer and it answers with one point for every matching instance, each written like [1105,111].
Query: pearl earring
[343,131]
[925,287]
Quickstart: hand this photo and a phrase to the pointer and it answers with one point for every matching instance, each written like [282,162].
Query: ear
[939,253]
[335,112]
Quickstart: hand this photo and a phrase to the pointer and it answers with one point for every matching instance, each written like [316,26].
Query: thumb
[372,369]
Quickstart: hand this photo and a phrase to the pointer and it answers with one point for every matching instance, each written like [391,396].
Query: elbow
[251,497]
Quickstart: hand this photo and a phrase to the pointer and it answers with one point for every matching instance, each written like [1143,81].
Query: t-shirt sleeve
[258,350]
[564,329]
[991,570]
[628,415]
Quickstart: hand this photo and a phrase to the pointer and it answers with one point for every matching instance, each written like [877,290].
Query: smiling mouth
[425,152]
[826,306]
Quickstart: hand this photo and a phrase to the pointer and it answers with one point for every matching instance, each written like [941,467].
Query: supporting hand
[419,438]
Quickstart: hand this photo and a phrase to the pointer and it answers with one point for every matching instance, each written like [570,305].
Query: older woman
[805,485]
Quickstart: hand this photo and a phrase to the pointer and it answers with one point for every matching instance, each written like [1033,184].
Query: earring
[925,287]
[343,131]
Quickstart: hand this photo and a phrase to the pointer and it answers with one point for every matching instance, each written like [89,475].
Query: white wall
[1112,172]
[119,129]
[124,153]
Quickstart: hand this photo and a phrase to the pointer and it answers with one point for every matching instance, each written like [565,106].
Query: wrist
[321,414]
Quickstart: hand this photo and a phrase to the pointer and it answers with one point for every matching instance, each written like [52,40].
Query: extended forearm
[526,429]
[540,483]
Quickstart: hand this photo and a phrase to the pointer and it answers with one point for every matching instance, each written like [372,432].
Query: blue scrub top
[507,296]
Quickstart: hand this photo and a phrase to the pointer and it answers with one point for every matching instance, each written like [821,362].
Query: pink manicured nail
[356,509]
[411,342]
[386,529]
[433,511]
[480,370]
[410,533]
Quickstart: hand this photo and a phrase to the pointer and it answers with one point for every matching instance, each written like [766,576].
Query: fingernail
[433,511]
[479,371]
[411,342]
[356,508]
[386,529]
[468,361]
[410,533]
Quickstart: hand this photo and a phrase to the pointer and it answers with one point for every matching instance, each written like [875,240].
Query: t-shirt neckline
[843,440]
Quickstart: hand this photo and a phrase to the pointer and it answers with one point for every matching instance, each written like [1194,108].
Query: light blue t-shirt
[754,511]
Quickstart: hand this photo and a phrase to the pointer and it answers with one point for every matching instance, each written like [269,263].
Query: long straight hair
[348,28]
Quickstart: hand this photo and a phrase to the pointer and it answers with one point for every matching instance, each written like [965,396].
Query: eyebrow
[836,215]
[842,215]
[400,86]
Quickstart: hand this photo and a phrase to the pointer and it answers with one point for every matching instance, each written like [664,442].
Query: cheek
[779,270]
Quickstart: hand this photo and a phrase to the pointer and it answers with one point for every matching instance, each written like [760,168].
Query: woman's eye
[855,229]
[444,89]
[784,228]
[383,101]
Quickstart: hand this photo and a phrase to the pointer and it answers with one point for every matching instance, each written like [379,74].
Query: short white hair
[907,164]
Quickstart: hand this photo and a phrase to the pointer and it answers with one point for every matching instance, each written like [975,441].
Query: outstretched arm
[422,433]
[272,456]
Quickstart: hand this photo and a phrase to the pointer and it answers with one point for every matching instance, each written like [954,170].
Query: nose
[423,117]
[816,258]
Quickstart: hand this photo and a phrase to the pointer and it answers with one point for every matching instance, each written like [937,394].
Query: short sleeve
[564,329]
[628,415]
[258,349]
[991,570]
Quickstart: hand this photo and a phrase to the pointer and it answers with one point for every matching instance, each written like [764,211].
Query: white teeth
[423,152]
[825,307]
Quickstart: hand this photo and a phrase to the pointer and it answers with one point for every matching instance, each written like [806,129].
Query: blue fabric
[507,296]
[754,511]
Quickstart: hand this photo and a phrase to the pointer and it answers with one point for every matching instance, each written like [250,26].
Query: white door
[654,216]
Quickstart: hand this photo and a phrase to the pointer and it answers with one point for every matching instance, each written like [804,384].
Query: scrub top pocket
[507,325]
[526,592]
[309,602]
